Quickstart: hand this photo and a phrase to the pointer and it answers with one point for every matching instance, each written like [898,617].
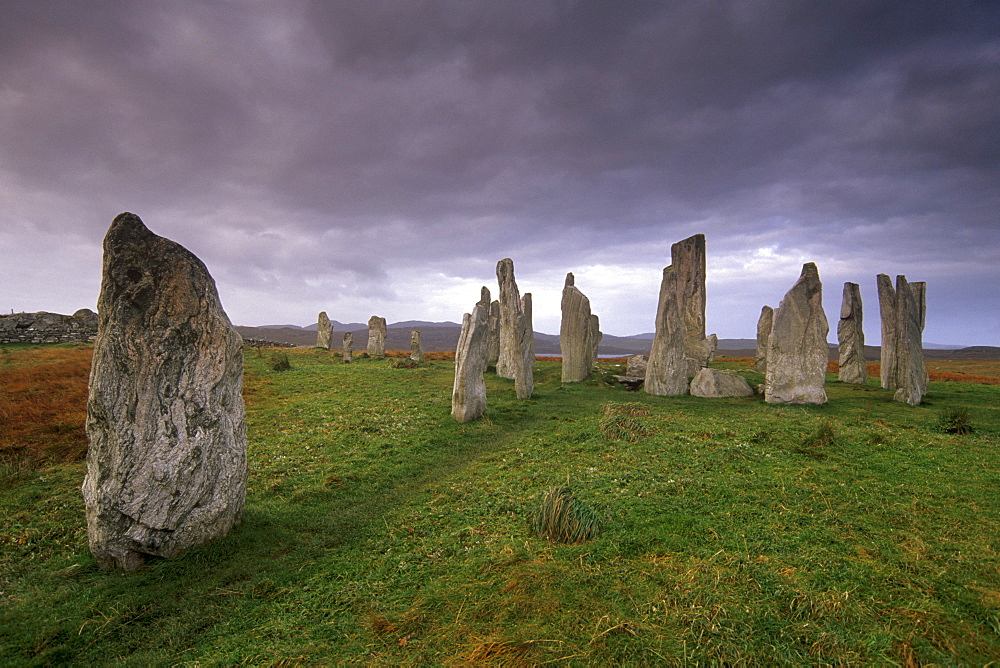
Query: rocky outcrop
[348,349]
[416,352]
[43,327]
[324,331]
[579,334]
[851,337]
[764,324]
[797,350]
[376,336]
[166,467]
[714,383]
[667,367]
[468,395]
[517,340]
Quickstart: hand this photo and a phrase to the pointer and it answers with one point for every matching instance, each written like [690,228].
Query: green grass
[380,531]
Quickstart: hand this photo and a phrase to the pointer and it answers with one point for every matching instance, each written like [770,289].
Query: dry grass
[983,372]
[43,407]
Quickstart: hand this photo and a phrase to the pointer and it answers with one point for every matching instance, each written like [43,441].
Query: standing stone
[376,336]
[911,373]
[416,352]
[494,333]
[887,313]
[715,383]
[764,324]
[517,341]
[348,347]
[667,368]
[636,366]
[468,395]
[688,259]
[595,338]
[851,337]
[166,467]
[324,332]
[577,333]
[797,351]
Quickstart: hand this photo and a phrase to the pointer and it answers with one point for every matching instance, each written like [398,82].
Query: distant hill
[435,336]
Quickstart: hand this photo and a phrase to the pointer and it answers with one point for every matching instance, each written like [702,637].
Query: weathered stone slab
[797,350]
[887,313]
[416,351]
[716,383]
[324,331]
[595,338]
[166,467]
[494,333]
[517,339]
[911,373]
[667,367]
[851,337]
[348,350]
[468,395]
[577,334]
[376,336]
[764,325]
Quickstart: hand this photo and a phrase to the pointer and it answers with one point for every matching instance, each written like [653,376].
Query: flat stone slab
[714,383]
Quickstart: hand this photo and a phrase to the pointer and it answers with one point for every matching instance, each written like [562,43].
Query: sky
[380,157]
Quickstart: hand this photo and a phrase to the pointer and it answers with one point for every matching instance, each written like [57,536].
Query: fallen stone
[468,395]
[631,383]
[166,466]
[636,366]
[851,338]
[797,351]
[717,383]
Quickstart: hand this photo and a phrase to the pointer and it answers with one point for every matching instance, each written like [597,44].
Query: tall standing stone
[577,332]
[517,345]
[797,352]
[764,324]
[887,313]
[688,259]
[595,338]
[494,333]
[851,337]
[376,336]
[911,373]
[348,347]
[324,331]
[416,352]
[468,394]
[667,367]
[166,467]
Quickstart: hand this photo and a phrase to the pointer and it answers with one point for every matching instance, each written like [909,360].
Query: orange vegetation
[43,404]
[936,374]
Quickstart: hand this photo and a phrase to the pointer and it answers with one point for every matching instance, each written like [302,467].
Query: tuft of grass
[955,421]
[562,518]
[817,442]
[620,421]
[406,363]
[279,361]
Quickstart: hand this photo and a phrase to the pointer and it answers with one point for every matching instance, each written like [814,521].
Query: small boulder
[717,383]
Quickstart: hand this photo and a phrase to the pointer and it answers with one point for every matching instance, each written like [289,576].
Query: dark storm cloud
[355,139]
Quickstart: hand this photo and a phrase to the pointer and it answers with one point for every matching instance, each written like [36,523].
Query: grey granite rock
[851,337]
[324,331]
[517,339]
[468,395]
[376,336]
[716,383]
[797,350]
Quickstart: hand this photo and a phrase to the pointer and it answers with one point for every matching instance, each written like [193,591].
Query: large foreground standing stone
[667,367]
[517,339]
[579,334]
[797,351]
[376,336]
[468,394]
[166,467]
[715,383]
[764,324]
[851,337]
[324,331]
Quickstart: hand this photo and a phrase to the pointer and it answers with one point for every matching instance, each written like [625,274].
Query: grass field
[379,531]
